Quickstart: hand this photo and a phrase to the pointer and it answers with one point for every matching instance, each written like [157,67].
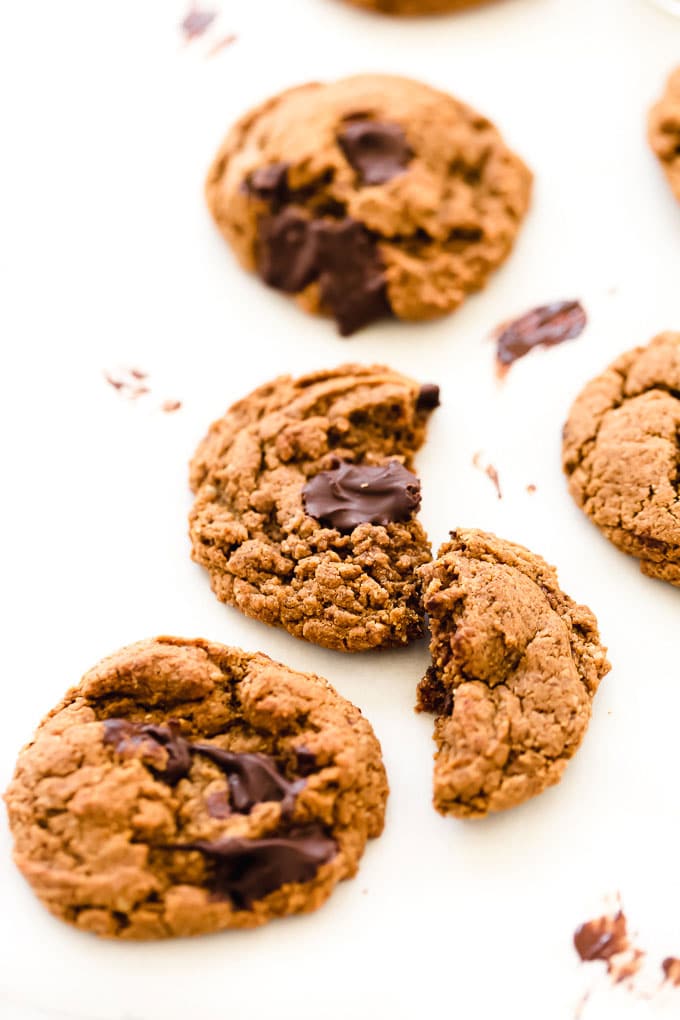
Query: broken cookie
[185,787]
[515,666]
[305,509]
[621,454]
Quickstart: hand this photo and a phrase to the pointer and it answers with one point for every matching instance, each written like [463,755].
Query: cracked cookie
[368,197]
[664,131]
[305,506]
[621,454]
[185,787]
[515,666]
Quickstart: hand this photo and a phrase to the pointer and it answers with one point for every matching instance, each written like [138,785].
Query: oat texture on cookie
[621,454]
[305,508]
[367,197]
[186,787]
[664,131]
[515,666]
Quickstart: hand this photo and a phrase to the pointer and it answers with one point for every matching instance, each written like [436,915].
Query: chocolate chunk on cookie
[621,454]
[185,787]
[664,131]
[368,197]
[515,665]
[305,510]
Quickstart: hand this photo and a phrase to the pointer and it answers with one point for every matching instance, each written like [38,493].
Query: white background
[108,258]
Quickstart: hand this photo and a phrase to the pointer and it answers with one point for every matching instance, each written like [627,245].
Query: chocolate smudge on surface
[545,326]
[607,939]
[490,472]
[132,383]
[196,22]
[353,494]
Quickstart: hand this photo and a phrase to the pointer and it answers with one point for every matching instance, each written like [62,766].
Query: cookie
[184,787]
[416,6]
[515,665]
[621,454]
[664,131]
[305,506]
[368,197]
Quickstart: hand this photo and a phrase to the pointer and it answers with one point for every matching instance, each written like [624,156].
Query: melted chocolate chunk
[545,326]
[217,804]
[352,494]
[269,183]
[127,736]
[252,778]
[428,398]
[342,255]
[245,870]
[602,938]
[377,150]
[352,275]
[306,762]
[287,252]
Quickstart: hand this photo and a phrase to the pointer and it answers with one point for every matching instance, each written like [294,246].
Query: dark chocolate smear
[124,736]
[352,494]
[287,251]
[602,938]
[245,870]
[342,255]
[377,150]
[352,276]
[428,398]
[269,183]
[252,778]
[545,326]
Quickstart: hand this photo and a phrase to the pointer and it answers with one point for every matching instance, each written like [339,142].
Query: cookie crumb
[671,970]
[171,405]
[531,488]
[222,44]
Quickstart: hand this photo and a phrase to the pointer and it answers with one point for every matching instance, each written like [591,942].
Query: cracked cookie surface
[621,454]
[186,787]
[515,666]
[371,196]
[664,131]
[345,587]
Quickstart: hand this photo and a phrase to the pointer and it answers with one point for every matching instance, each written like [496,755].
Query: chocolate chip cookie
[664,131]
[621,454]
[185,787]
[416,6]
[305,506]
[515,665]
[368,197]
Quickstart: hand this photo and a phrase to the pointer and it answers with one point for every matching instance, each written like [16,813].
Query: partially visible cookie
[368,197]
[515,665]
[664,131]
[305,510]
[416,6]
[621,454]
[185,787]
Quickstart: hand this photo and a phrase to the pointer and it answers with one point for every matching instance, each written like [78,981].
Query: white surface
[108,257]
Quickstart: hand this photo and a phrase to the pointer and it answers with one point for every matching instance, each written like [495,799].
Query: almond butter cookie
[621,454]
[515,666]
[185,787]
[305,509]
[368,197]
[664,131]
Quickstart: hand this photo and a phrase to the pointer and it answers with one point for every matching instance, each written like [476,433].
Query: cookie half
[305,510]
[186,787]
[664,131]
[368,197]
[621,454]
[515,666]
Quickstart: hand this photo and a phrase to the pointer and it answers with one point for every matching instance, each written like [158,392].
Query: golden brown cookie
[515,665]
[664,131]
[621,454]
[185,787]
[416,6]
[367,197]
[305,506]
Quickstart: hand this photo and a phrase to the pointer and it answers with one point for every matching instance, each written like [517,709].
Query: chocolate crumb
[606,939]
[671,970]
[545,326]
[196,22]
[490,471]
[531,488]
[171,405]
